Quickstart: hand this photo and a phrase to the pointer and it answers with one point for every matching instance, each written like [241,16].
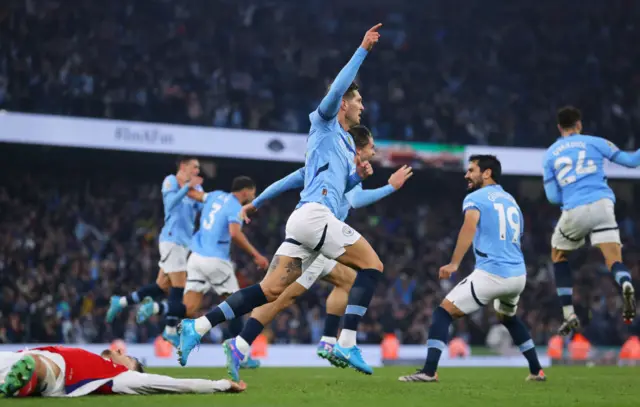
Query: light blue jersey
[356,198]
[574,168]
[497,241]
[213,238]
[179,212]
[330,159]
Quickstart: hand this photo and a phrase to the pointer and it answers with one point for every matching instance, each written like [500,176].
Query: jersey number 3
[511,216]
[564,165]
[208,223]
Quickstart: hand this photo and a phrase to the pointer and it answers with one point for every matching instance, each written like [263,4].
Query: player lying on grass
[341,276]
[493,222]
[57,371]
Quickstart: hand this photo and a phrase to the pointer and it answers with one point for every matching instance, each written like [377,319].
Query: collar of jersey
[346,142]
[232,196]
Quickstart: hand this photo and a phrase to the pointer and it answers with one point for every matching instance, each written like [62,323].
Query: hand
[247,210]
[398,178]
[371,37]
[261,262]
[363,168]
[195,181]
[446,271]
[237,387]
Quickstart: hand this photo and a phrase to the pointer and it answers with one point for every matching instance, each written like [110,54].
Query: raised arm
[330,104]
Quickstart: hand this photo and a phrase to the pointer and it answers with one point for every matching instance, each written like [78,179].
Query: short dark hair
[351,90]
[107,353]
[138,366]
[361,135]
[184,159]
[242,182]
[488,162]
[568,116]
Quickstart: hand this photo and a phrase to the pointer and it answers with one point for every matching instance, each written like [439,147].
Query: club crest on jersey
[347,231]
[167,184]
[613,146]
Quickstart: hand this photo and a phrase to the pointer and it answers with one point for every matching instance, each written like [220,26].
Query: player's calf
[437,342]
[283,271]
[521,337]
[263,315]
[438,336]
[176,310]
[612,253]
[564,289]
[117,304]
[336,306]
[359,256]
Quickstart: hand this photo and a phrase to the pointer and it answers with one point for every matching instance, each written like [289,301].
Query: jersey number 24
[564,165]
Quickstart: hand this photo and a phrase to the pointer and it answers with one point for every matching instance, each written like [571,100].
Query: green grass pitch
[330,387]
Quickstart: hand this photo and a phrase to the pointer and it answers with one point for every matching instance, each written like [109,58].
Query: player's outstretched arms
[359,197]
[630,160]
[237,387]
[291,181]
[133,383]
[330,105]
[614,154]
[363,171]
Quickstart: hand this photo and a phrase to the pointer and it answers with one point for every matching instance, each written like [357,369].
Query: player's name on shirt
[567,145]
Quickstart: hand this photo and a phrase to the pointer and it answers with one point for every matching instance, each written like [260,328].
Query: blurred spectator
[490,72]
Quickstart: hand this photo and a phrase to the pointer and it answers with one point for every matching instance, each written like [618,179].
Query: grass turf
[466,387]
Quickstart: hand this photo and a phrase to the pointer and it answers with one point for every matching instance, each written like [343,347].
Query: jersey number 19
[511,216]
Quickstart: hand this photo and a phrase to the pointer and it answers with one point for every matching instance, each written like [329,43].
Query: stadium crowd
[70,239]
[490,72]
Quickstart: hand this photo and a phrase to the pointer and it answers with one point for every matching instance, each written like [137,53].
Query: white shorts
[210,273]
[317,270]
[597,219]
[52,386]
[173,257]
[481,287]
[313,230]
